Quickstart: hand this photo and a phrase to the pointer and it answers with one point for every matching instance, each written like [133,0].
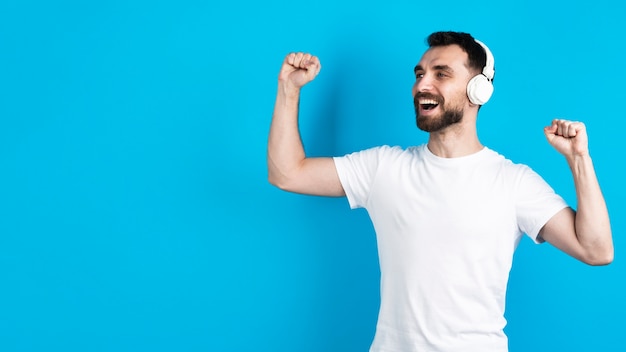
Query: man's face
[440,89]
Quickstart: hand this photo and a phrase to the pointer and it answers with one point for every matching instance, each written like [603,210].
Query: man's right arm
[288,167]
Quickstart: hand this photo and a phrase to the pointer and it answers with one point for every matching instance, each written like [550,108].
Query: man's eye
[419,75]
[441,75]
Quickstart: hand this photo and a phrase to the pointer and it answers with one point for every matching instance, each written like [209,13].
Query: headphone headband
[489,69]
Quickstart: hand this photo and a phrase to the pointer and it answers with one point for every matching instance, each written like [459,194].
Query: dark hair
[476,54]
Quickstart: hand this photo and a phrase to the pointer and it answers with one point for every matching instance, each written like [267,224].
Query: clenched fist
[299,69]
[568,137]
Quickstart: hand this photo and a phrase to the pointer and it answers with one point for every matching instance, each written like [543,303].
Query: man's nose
[422,84]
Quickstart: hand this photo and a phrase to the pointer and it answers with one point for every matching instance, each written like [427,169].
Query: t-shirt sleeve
[357,172]
[536,203]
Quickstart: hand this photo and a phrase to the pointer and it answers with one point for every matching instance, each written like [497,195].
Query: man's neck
[455,141]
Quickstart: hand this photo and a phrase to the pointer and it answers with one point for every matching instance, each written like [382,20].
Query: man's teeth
[428,101]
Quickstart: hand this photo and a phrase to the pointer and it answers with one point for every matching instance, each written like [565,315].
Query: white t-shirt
[446,230]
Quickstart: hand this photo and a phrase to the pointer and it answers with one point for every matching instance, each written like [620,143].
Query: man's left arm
[584,234]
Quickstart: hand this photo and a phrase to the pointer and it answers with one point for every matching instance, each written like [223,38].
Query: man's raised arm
[288,167]
[586,233]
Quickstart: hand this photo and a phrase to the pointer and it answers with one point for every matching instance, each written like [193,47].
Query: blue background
[135,213]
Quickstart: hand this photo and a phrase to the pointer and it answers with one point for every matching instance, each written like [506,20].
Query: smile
[428,104]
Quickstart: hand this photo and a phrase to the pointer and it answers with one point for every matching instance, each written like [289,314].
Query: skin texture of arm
[584,234]
[288,167]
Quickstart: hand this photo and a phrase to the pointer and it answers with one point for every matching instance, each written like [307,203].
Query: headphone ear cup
[479,89]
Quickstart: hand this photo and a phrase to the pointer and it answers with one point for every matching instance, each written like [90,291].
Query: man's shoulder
[512,169]
[501,158]
[387,150]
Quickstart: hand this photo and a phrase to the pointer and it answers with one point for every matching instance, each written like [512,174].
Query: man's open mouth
[428,104]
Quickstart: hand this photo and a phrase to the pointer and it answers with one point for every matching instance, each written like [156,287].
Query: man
[449,214]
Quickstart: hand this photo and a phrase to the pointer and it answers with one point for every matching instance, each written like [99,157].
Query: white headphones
[480,87]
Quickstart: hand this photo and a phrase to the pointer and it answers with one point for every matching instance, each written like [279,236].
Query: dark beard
[428,124]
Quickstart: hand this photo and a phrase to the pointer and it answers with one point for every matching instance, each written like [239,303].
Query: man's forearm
[284,151]
[593,227]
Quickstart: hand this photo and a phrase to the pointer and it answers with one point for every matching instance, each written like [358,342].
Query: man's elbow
[599,259]
[283,178]
[274,180]
[280,181]
[276,183]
